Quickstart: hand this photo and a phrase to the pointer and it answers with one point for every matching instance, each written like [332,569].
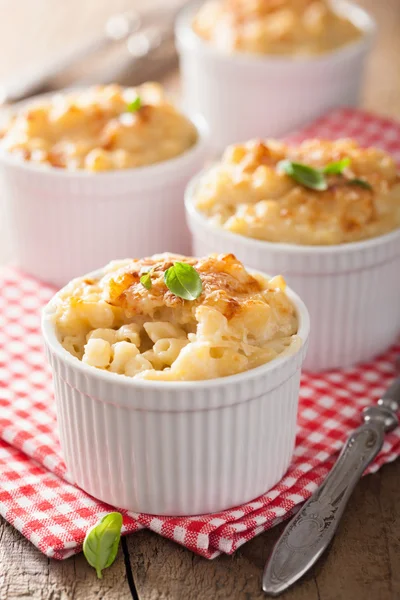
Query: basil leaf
[145,280]
[183,281]
[361,182]
[134,105]
[303,174]
[336,168]
[101,542]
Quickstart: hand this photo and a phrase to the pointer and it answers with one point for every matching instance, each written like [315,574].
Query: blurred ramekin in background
[65,223]
[351,290]
[176,448]
[245,96]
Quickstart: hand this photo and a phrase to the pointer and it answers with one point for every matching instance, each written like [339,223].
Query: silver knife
[309,533]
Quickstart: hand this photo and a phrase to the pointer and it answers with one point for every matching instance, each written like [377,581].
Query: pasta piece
[123,353]
[136,365]
[97,353]
[212,325]
[74,344]
[110,335]
[129,333]
[277,282]
[168,349]
[98,160]
[203,361]
[36,120]
[158,330]
[98,314]
[155,359]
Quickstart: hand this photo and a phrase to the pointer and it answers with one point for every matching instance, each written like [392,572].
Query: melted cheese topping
[113,322]
[247,194]
[282,27]
[94,130]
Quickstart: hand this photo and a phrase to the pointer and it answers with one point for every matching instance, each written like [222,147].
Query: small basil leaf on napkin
[183,281]
[101,542]
[134,105]
[361,182]
[303,174]
[336,168]
[145,280]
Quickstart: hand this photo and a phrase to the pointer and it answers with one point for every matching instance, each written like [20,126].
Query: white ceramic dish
[247,96]
[176,448]
[65,223]
[352,291]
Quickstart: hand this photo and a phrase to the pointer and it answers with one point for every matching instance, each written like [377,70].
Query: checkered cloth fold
[36,494]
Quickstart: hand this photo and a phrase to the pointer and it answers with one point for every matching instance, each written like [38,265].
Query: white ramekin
[176,448]
[352,291]
[66,223]
[244,96]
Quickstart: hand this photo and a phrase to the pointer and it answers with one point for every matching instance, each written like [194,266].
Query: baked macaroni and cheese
[320,192]
[148,319]
[280,27]
[101,128]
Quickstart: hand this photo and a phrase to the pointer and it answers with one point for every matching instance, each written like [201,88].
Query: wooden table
[364,560]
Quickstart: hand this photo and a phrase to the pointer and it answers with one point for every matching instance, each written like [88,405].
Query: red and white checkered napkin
[35,493]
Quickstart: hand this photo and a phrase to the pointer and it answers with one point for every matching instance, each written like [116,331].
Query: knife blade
[309,533]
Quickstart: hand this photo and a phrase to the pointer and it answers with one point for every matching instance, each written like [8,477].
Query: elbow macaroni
[239,322]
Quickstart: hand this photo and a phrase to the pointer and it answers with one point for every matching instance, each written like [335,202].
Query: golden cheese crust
[282,27]
[93,129]
[247,193]
[226,284]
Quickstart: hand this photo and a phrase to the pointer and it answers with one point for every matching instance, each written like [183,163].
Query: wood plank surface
[364,560]
[362,564]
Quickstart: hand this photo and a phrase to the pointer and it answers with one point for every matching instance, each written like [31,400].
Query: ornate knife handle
[311,530]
